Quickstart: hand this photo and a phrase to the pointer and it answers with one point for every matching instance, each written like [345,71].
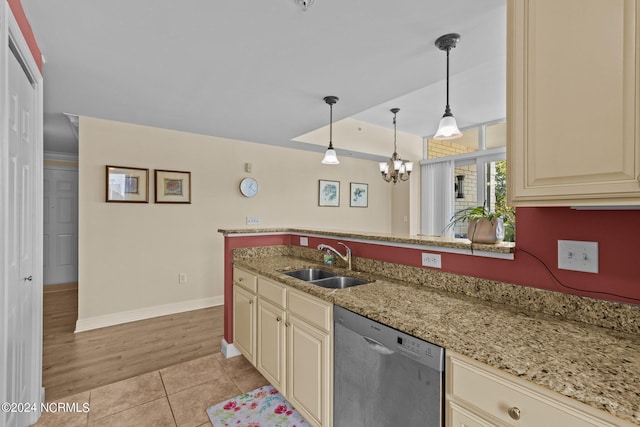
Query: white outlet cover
[578,256]
[252,220]
[304,241]
[431,260]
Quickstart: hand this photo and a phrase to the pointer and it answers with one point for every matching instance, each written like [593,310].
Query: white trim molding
[229,350]
[112,319]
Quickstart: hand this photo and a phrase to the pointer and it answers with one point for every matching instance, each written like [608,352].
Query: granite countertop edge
[594,365]
[444,242]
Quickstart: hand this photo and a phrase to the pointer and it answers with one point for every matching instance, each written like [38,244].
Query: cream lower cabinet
[310,351]
[292,343]
[478,395]
[271,337]
[244,313]
[573,102]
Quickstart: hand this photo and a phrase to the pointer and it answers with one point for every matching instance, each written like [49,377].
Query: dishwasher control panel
[414,345]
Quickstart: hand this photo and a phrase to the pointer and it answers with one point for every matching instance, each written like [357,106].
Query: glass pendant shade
[330,157]
[384,167]
[447,129]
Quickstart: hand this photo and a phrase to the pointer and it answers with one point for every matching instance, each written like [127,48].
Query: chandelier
[395,169]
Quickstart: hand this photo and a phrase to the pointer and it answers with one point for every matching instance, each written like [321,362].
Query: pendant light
[395,169]
[330,157]
[447,128]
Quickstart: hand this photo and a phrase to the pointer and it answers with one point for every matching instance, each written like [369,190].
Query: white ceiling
[257,70]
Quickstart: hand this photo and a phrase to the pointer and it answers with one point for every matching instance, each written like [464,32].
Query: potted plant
[484,226]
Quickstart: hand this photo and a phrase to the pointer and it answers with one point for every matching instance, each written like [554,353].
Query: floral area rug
[262,407]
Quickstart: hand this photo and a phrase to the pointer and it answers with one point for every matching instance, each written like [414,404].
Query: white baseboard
[96,322]
[229,350]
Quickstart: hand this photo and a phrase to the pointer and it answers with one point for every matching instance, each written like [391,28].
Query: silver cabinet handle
[250,302]
[240,279]
[28,279]
[278,319]
[514,413]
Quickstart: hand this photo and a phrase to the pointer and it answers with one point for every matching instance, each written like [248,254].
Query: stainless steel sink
[310,274]
[326,279]
[339,282]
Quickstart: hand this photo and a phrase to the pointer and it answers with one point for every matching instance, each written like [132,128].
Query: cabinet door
[270,359]
[308,374]
[572,103]
[244,322]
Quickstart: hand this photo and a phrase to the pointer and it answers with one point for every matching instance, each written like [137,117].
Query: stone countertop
[594,365]
[421,240]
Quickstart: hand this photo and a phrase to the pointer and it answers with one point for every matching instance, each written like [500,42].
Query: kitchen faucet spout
[346,257]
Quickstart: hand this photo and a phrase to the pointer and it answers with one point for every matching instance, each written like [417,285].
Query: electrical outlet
[578,256]
[431,260]
[304,241]
[252,220]
[182,278]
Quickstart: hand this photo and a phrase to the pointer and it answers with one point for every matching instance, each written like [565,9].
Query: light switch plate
[431,260]
[578,256]
[252,220]
[304,241]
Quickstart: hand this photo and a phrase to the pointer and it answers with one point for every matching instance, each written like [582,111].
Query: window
[463,173]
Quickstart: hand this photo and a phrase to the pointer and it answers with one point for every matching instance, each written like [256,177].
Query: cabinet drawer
[499,394]
[245,279]
[313,310]
[272,291]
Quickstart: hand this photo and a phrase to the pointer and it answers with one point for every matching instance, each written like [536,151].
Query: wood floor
[73,363]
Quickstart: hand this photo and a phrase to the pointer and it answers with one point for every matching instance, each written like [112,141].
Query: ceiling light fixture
[396,168]
[330,157]
[447,128]
[305,4]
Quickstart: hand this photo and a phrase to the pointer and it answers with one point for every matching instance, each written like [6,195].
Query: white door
[60,225]
[23,329]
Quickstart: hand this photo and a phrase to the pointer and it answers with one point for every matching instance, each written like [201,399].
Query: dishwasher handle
[378,347]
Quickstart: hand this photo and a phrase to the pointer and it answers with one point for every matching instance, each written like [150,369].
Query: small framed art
[328,193]
[127,185]
[359,195]
[172,186]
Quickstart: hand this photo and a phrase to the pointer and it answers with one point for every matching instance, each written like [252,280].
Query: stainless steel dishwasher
[384,377]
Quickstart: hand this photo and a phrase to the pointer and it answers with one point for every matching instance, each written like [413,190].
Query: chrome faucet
[346,258]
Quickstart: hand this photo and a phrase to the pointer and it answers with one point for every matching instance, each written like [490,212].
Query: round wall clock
[249,187]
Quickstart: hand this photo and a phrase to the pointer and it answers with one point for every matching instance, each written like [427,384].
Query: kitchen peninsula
[583,348]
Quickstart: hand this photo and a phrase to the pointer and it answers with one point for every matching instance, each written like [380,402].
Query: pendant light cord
[331,126]
[447,109]
[395,149]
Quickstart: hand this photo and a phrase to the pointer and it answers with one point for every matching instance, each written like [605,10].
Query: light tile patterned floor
[175,396]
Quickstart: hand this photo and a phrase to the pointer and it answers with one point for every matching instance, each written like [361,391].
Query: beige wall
[130,254]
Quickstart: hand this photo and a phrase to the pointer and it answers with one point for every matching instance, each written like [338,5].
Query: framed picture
[127,185]
[329,193]
[173,186]
[359,195]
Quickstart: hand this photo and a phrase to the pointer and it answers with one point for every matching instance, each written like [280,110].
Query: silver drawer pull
[514,413]
[28,279]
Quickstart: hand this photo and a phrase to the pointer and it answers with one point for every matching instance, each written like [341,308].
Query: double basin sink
[324,278]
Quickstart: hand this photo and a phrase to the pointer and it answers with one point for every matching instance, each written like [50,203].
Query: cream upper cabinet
[573,102]
[478,395]
[244,313]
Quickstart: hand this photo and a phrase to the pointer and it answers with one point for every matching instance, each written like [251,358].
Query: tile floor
[175,396]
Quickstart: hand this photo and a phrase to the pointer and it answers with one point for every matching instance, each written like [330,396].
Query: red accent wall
[538,231]
[25,27]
